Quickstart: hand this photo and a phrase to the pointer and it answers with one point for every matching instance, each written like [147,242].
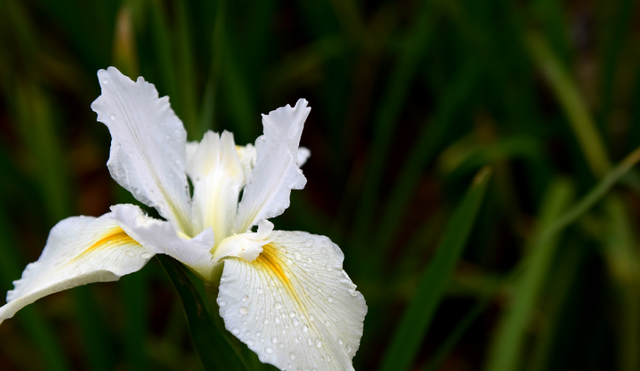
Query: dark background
[409,100]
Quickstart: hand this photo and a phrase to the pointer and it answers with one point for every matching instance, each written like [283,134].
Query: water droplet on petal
[145,255]
[243,310]
[235,331]
[105,81]
[339,341]
[330,299]
[305,328]
[309,342]
[318,343]
[292,355]
[278,305]
[266,321]
[250,343]
[268,350]
[112,116]
[348,348]
[130,253]
[274,340]
[245,298]
[308,242]
[329,267]
[292,314]
[222,303]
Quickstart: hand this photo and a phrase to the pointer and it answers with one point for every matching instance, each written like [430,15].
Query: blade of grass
[386,117]
[185,69]
[210,101]
[214,351]
[505,350]
[572,103]
[620,250]
[415,322]
[427,145]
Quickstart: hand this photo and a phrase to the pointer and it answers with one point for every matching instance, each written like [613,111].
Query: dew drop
[292,355]
[310,260]
[269,350]
[278,305]
[105,81]
[130,253]
[145,255]
[292,314]
[305,328]
[339,341]
[352,292]
[296,322]
[326,323]
[318,343]
[330,299]
[309,342]
[311,317]
[308,243]
[329,267]
[274,340]
[278,320]
[348,348]
[245,298]
[258,334]
[243,310]
[250,343]
[222,303]
[281,345]
[112,116]
[235,331]
[266,321]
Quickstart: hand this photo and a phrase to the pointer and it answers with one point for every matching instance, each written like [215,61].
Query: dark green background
[409,100]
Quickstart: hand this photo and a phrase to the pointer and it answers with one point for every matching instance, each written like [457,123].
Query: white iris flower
[284,294]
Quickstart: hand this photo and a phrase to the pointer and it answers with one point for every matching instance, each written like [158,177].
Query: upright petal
[162,238]
[148,146]
[80,250]
[294,305]
[276,170]
[217,177]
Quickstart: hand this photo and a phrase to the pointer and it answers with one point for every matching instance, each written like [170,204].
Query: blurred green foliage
[410,100]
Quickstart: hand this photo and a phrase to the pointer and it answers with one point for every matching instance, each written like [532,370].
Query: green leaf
[506,348]
[415,322]
[213,349]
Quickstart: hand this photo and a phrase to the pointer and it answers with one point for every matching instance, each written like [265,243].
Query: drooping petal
[80,250]
[294,305]
[276,170]
[217,176]
[148,146]
[162,238]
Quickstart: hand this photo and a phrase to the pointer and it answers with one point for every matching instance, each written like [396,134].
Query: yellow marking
[116,236]
[270,260]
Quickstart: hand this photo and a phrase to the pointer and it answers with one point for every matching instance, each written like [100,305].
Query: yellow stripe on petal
[293,304]
[113,237]
[79,250]
[270,261]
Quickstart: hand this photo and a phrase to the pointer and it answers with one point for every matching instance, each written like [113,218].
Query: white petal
[162,238]
[217,176]
[303,156]
[247,246]
[79,250]
[148,146]
[247,155]
[276,171]
[294,305]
